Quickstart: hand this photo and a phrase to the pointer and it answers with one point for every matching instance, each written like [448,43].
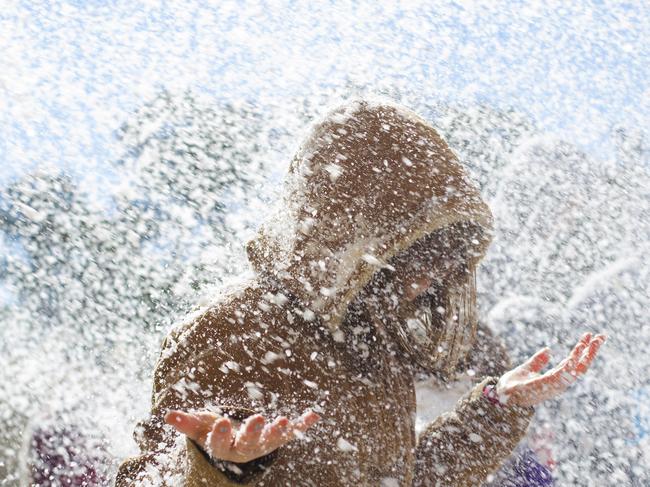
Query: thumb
[186,423]
[538,361]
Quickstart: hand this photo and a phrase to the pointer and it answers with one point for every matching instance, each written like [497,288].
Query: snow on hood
[370,180]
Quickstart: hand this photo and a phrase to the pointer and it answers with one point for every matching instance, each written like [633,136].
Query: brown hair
[436,330]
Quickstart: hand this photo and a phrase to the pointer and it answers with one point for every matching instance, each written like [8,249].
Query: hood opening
[437,329]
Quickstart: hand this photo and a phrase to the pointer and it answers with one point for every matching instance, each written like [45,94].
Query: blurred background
[141,143]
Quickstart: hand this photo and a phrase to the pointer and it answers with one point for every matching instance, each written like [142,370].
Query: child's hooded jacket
[370,181]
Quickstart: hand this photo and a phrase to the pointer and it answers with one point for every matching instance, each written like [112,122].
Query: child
[365,275]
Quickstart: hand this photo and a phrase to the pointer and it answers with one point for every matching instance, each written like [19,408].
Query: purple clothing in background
[523,470]
[59,456]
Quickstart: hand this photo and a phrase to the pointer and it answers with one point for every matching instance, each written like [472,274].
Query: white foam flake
[334,171]
[344,445]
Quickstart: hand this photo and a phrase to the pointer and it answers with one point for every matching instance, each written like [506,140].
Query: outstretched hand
[243,442]
[525,386]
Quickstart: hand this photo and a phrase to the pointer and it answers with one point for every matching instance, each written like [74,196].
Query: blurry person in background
[58,453]
[303,372]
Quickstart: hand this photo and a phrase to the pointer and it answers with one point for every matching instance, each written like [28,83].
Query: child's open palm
[526,386]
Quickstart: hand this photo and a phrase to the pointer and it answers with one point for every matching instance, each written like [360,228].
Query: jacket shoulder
[234,316]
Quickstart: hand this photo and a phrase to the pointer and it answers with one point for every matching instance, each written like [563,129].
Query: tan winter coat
[369,181]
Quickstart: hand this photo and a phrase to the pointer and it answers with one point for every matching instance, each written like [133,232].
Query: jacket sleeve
[202,470]
[190,375]
[462,447]
[188,466]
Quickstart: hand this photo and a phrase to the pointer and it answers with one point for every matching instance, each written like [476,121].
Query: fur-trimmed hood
[370,180]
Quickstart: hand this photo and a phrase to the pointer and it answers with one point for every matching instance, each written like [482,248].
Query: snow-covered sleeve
[203,470]
[462,447]
[168,465]
[206,371]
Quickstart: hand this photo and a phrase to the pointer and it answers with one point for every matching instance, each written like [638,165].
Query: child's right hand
[243,442]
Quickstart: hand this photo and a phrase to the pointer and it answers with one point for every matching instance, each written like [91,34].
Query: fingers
[282,431]
[248,436]
[574,356]
[253,439]
[582,355]
[258,437]
[538,361]
[306,421]
[588,355]
[572,359]
[578,362]
[189,424]
[276,434]
[221,438]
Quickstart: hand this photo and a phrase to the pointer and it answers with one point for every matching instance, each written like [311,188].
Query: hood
[370,180]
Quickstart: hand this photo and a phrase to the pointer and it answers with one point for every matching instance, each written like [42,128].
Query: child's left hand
[525,386]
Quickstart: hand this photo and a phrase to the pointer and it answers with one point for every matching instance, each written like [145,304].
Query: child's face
[416,275]
[409,298]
